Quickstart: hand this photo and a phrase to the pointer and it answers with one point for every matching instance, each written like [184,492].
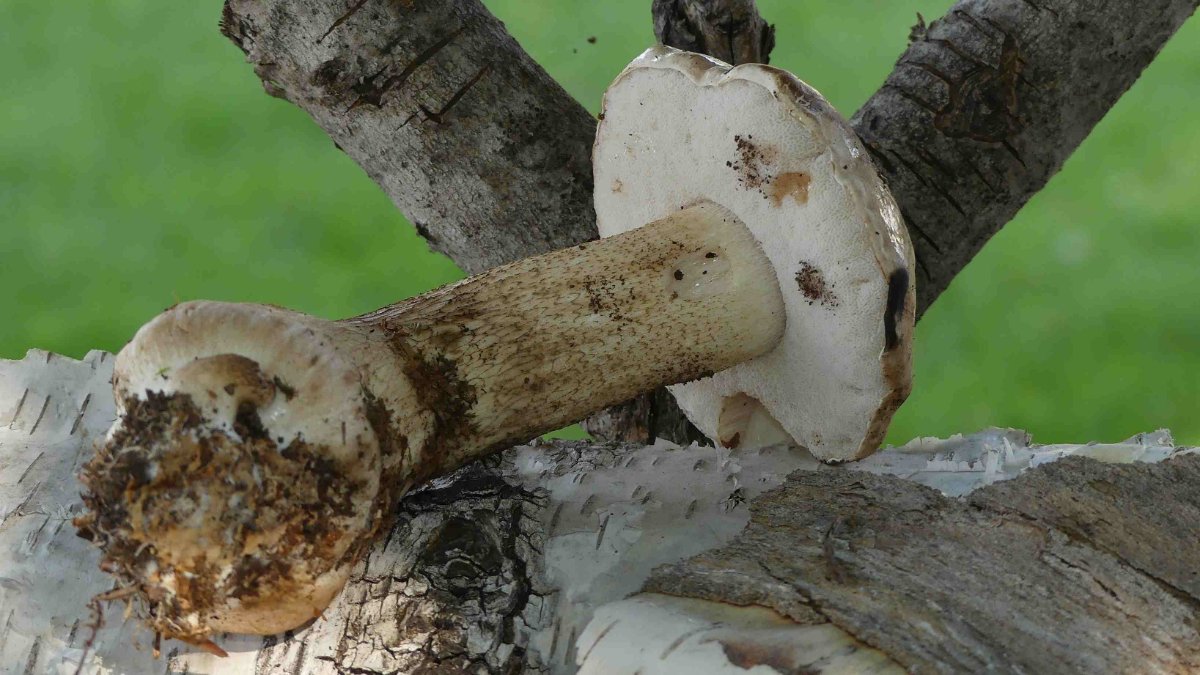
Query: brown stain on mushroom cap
[898,320]
[754,168]
[893,316]
[793,184]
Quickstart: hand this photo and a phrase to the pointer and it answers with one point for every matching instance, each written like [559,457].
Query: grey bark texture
[730,30]
[987,103]
[489,157]
[486,154]
[1030,575]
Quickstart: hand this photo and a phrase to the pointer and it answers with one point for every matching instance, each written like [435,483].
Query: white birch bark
[524,563]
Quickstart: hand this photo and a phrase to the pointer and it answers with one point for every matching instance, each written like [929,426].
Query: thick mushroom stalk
[258,450]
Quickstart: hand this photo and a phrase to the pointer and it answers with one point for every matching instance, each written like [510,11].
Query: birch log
[488,156]
[940,556]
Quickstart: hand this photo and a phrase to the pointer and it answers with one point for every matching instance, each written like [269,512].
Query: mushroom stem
[258,451]
[540,343]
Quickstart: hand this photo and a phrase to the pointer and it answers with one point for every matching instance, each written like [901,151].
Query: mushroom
[679,127]
[258,451]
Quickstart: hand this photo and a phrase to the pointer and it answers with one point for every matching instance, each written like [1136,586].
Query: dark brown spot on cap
[289,392]
[814,287]
[752,165]
[897,297]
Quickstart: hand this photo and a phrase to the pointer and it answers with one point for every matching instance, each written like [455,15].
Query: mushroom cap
[240,483]
[678,128]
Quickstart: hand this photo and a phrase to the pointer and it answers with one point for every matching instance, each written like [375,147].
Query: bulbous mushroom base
[241,481]
[216,530]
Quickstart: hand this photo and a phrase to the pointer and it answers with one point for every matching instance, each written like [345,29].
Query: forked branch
[980,111]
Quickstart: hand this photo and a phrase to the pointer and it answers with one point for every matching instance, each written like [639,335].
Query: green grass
[141,164]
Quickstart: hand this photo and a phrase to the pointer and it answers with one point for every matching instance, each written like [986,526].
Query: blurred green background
[141,164]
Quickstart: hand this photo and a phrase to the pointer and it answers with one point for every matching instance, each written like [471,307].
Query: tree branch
[729,30]
[987,103]
[489,157]
[486,154]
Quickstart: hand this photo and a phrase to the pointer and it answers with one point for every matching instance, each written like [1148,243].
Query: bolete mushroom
[679,127]
[258,450]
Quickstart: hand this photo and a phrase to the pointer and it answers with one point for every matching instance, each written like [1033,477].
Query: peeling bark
[522,563]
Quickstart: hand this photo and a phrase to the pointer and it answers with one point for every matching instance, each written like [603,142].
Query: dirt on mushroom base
[174,504]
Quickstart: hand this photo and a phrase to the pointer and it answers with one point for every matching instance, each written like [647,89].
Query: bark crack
[439,116]
[1041,8]
[342,19]
[20,406]
[79,417]
[29,468]
[370,92]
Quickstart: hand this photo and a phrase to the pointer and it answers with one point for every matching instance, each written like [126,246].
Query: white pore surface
[669,137]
